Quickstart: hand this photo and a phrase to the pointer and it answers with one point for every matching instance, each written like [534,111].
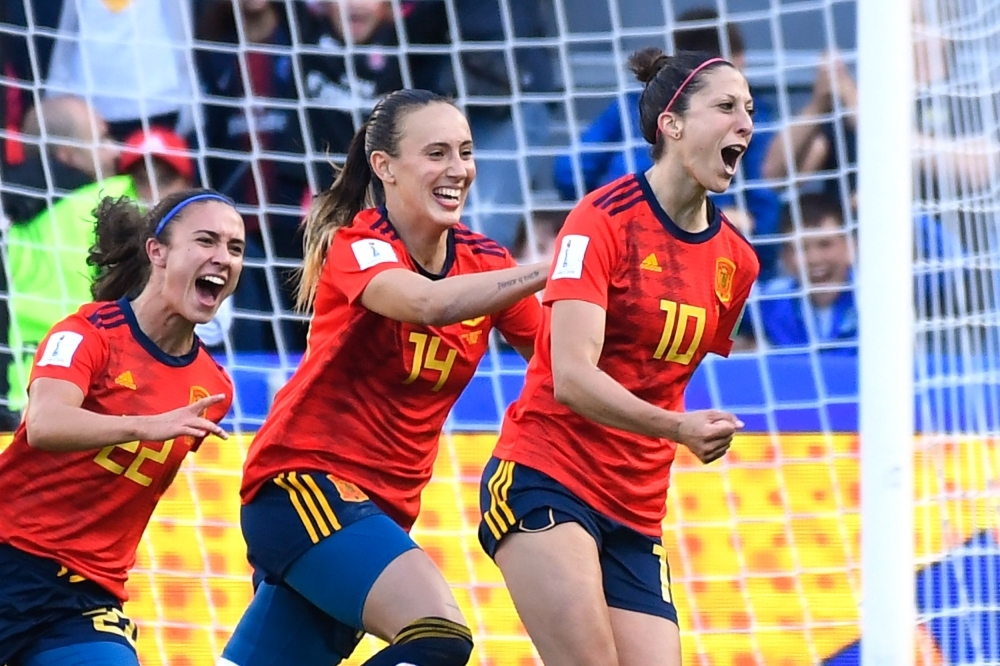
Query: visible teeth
[450,192]
[214,279]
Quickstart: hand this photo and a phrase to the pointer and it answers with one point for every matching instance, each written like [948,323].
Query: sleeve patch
[60,348]
[739,320]
[569,263]
[372,251]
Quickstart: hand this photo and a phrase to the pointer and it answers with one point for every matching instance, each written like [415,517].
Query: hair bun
[646,63]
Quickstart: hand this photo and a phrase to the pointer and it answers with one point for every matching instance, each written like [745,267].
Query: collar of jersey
[714,216]
[150,346]
[449,259]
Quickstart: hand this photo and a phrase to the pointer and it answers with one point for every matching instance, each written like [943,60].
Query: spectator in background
[128,58]
[253,128]
[484,74]
[947,148]
[48,244]
[813,304]
[539,242]
[159,164]
[334,88]
[600,167]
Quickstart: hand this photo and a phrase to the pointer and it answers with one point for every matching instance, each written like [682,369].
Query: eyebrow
[445,144]
[216,236]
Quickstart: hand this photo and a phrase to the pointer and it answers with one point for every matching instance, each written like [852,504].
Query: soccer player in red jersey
[120,392]
[404,298]
[649,278]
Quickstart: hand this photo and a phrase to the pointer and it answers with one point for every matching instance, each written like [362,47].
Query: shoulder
[371,238]
[743,252]
[611,203]
[90,327]
[472,247]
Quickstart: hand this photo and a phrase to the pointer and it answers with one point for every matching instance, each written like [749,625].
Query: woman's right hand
[184,422]
[707,433]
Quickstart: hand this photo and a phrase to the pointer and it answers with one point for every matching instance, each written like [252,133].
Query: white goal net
[764,545]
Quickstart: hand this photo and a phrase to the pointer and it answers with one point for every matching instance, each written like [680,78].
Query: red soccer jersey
[671,297]
[88,509]
[369,400]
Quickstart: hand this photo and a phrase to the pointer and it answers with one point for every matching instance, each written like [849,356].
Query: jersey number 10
[679,317]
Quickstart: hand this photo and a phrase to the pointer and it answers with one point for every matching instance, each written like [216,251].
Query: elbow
[566,388]
[37,435]
[431,311]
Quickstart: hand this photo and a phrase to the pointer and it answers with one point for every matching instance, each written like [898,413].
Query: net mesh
[764,545]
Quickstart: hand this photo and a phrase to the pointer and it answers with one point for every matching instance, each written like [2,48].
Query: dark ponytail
[330,210]
[120,235]
[354,189]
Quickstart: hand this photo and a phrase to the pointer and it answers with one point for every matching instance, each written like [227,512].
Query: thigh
[554,578]
[83,654]
[282,627]
[637,587]
[645,640]
[44,606]
[341,572]
[409,589]
[97,636]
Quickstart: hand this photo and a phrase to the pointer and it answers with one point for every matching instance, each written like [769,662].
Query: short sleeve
[355,257]
[729,322]
[588,251]
[73,351]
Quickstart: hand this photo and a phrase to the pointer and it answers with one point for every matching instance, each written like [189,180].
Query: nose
[744,123]
[457,168]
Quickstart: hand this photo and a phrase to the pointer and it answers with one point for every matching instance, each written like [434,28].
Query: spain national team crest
[725,269]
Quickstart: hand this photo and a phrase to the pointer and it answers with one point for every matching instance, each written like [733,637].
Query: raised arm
[56,420]
[578,382]
[406,296]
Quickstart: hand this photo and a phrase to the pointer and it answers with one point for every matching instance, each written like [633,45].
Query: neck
[168,330]
[680,196]
[259,26]
[426,242]
[824,299]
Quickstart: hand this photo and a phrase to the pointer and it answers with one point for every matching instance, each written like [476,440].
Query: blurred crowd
[259,99]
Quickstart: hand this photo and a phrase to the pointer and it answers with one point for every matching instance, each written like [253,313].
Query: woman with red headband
[649,278]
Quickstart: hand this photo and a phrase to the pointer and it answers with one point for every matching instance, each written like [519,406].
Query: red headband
[685,82]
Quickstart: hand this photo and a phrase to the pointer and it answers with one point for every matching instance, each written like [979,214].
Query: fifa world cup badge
[725,269]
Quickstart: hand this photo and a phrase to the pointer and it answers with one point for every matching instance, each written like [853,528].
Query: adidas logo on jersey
[651,264]
[125,379]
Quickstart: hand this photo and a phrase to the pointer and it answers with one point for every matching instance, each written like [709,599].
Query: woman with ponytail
[403,299]
[649,278]
[120,392]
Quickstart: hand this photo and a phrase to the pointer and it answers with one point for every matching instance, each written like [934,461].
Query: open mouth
[731,157]
[210,287]
[450,196]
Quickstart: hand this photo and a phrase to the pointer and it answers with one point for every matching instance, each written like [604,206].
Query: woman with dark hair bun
[649,278]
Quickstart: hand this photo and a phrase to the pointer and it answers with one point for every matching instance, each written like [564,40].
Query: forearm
[468,296]
[593,394]
[795,141]
[64,428]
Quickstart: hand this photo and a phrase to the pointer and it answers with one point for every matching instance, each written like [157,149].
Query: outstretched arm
[56,421]
[406,296]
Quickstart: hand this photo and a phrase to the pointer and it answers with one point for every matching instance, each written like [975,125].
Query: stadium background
[764,546]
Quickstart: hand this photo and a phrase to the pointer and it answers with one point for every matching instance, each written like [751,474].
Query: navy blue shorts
[515,498]
[44,607]
[322,537]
